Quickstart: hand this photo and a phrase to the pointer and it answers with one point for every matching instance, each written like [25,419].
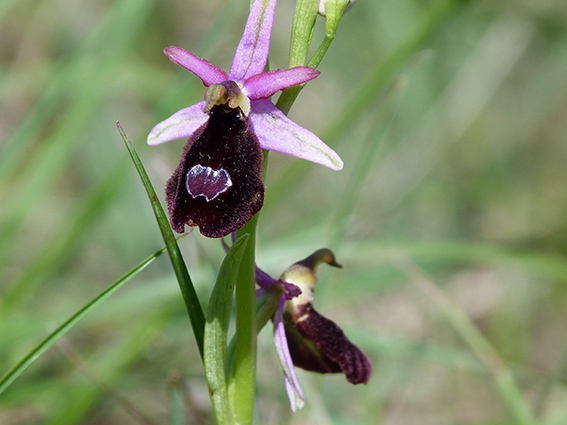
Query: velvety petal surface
[266,84]
[180,125]
[206,71]
[325,348]
[252,51]
[305,353]
[217,185]
[278,133]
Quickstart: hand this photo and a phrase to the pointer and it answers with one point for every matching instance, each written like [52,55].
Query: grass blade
[192,303]
[504,379]
[54,336]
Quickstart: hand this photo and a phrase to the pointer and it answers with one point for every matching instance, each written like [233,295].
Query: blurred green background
[449,215]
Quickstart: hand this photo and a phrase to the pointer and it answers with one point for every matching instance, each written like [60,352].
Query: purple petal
[264,280]
[180,125]
[290,290]
[206,71]
[294,391]
[252,51]
[264,85]
[277,132]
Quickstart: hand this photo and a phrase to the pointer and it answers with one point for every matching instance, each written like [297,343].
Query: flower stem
[243,377]
[289,95]
[242,380]
[318,56]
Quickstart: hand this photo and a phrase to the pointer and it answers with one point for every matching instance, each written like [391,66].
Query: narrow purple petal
[180,125]
[277,132]
[264,280]
[252,51]
[206,71]
[264,85]
[294,392]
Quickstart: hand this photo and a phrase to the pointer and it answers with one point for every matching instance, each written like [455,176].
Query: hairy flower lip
[217,185]
[335,353]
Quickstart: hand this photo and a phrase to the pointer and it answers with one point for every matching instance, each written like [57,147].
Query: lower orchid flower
[217,185]
[304,337]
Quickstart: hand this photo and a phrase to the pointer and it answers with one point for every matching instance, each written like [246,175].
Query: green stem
[320,53]
[242,384]
[242,380]
[302,31]
[287,98]
[289,95]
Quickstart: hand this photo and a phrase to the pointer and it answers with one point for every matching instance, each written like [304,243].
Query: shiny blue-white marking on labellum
[206,182]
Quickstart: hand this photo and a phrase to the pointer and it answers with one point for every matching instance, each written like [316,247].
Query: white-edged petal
[180,125]
[277,132]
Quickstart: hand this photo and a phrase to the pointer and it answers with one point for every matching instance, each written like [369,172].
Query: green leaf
[216,328]
[242,378]
[54,336]
[266,306]
[192,303]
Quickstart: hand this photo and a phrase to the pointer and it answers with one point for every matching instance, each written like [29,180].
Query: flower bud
[333,10]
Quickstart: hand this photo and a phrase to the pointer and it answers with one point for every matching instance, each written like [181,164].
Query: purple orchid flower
[305,338]
[217,185]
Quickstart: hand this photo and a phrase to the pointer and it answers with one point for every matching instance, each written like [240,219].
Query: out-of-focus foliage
[450,117]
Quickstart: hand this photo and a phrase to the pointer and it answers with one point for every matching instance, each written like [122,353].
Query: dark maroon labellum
[319,345]
[217,185]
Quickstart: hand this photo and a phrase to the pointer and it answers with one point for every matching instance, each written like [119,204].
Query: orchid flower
[305,338]
[217,185]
